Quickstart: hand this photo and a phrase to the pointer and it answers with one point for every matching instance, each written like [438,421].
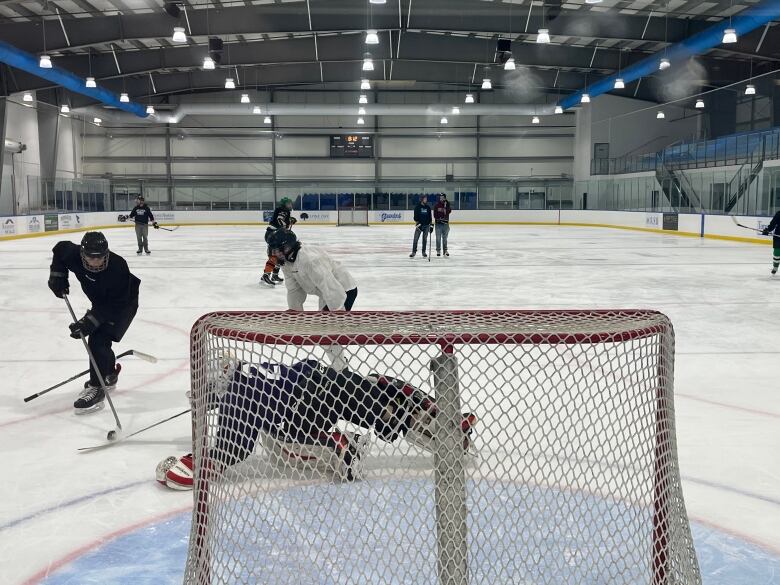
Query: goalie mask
[94,252]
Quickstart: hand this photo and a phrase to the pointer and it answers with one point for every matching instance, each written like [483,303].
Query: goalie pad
[163,467]
[180,475]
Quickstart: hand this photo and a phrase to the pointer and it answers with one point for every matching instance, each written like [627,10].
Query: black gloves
[765,232]
[121,218]
[154,224]
[58,283]
[84,326]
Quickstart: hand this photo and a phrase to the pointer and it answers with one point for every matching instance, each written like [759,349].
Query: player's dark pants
[424,230]
[302,405]
[350,300]
[100,344]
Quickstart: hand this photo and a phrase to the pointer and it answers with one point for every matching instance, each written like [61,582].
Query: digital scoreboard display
[351,146]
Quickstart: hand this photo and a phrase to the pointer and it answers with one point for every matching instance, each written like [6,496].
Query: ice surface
[56,505]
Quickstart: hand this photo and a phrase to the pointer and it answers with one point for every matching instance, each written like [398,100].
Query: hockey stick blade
[143,356]
[734,219]
[173,229]
[125,437]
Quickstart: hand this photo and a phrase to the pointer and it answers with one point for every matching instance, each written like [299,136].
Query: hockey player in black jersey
[113,291]
[282,219]
[773,229]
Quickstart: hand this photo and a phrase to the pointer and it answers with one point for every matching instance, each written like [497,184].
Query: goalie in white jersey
[309,270]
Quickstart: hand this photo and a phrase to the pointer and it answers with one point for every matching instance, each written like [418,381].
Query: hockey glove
[84,326]
[765,232]
[121,218]
[156,225]
[58,283]
[430,229]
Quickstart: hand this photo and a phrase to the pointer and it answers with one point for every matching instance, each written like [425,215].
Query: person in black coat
[423,220]
[113,291]
[282,219]
[774,229]
[142,215]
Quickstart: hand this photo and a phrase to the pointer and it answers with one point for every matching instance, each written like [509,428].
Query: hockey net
[353,216]
[568,475]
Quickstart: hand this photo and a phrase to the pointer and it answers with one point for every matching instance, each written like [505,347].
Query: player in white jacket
[309,270]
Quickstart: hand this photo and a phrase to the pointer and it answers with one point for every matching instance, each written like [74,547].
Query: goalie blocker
[295,410]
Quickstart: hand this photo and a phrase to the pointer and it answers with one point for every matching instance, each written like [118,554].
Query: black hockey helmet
[94,246]
[282,239]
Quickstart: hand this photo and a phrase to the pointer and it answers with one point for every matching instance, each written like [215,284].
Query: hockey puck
[111,436]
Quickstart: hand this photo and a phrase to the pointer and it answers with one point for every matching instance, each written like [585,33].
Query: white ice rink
[89,518]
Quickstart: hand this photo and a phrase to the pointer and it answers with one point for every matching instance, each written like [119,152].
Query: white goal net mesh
[353,216]
[454,447]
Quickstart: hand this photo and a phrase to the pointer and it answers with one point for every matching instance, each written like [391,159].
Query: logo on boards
[33,224]
[9,227]
[394,216]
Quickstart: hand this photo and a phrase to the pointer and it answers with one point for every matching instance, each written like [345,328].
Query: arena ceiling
[445,45]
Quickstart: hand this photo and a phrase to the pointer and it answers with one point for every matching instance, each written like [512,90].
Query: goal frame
[455,550]
[347,215]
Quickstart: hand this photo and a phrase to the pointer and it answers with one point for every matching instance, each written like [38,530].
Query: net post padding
[622,336]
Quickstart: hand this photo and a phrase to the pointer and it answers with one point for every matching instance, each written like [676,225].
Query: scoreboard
[351,146]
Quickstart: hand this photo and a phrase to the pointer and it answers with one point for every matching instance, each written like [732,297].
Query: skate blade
[93,408]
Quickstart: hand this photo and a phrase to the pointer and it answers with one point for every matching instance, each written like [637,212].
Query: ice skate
[139,252]
[148,252]
[413,254]
[774,271]
[266,280]
[438,253]
[91,399]
[446,253]
[347,464]
[276,278]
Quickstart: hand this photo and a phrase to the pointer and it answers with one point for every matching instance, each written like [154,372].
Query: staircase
[743,185]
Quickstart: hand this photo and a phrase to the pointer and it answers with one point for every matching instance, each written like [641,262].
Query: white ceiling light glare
[377,1]
[27,97]
[361,111]
[444,120]
[365,84]
[124,98]
[660,115]
[230,83]
[179,36]
[267,120]
[592,1]
[535,120]
[543,36]
[360,121]
[558,109]
[729,36]
[699,104]
[664,64]
[487,84]
[372,38]
[257,110]
[90,82]
[619,83]
[208,63]
[469,98]
[363,99]
[455,110]
[585,99]
[97,121]
[244,98]
[368,62]
[44,62]
[64,109]
[150,110]
[750,89]
[510,64]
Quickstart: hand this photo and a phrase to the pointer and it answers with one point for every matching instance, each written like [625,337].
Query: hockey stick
[734,219]
[159,227]
[158,423]
[113,433]
[144,356]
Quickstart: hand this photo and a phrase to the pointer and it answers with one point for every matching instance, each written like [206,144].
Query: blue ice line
[70,503]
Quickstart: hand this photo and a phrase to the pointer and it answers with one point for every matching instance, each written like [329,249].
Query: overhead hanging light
[585,99]
[230,83]
[699,103]
[664,64]
[96,121]
[179,35]
[372,38]
[365,84]
[27,97]
[124,98]
[377,1]
[150,110]
[543,36]
[510,64]
[660,115]
[444,120]
[455,110]
[363,99]
[729,36]
[208,63]
[267,120]
[368,62]
[64,109]
[592,1]
[619,83]
[90,82]
[469,98]
[44,62]
[558,110]
[487,84]
[360,121]
[244,98]
[257,110]
[750,89]
[361,111]
[535,120]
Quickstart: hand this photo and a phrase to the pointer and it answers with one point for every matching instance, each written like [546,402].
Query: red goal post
[573,456]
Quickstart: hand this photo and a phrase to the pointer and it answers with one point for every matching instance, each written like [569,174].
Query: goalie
[298,407]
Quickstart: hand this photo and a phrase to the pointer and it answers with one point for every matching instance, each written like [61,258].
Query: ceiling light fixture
[487,84]
[535,120]
[664,64]
[124,98]
[44,62]
[592,1]
[257,110]
[510,64]
[208,63]
[365,84]
[558,110]
[750,89]
[455,110]
[699,103]
[96,121]
[729,36]
[179,36]
[64,109]
[230,83]
[372,38]
[619,83]
[267,120]
[444,120]
[361,111]
[244,98]
[360,121]
[543,36]
[91,82]
[377,1]
[660,115]
[363,99]
[27,97]
[150,110]
[469,98]
[368,62]
[585,99]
